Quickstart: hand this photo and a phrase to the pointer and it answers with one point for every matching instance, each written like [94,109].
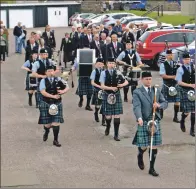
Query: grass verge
[174,19]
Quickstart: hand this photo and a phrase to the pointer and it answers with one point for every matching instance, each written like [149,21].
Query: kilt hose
[46,118]
[115,109]
[170,99]
[186,105]
[142,137]
[27,87]
[84,86]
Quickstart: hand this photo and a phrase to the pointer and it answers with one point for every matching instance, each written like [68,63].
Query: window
[144,37]
[171,37]
[190,37]
[117,16]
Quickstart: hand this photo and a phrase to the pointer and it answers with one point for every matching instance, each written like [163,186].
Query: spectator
[3,44]
[118,29]
[6,36]
[182,26]
[23,40]
[17,33]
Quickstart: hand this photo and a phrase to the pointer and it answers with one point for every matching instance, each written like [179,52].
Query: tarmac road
[87,158]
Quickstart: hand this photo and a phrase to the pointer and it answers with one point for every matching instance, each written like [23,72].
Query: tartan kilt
[46,118]
[27,87]
[84,86]
[39,95]
[170,99]
[142,137]
[115,109]
[186,105]
[95,100]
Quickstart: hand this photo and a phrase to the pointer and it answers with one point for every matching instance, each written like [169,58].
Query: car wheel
[126,7]
[155,64]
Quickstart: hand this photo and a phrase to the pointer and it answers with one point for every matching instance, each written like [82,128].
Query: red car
[152,43]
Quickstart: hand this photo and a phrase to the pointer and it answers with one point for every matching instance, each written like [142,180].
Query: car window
[84,15]
[116,16]
[171,37]
[190,37]
[144,36]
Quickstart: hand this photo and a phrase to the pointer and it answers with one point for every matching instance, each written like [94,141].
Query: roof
[171,30]
[40,4]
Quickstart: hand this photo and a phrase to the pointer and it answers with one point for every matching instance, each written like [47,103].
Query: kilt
[142,137]
[95,99]
[27,88]
[39,95]
[84,86]
[46,118]
[115,109]
[170,99]
[186,105]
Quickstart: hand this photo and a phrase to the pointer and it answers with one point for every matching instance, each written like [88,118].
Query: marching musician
[28,67]
[51,108]
[39,69]
[123,58]
[143,105]
[186,80]
[111,82]
[95,75]
[84,88]
[168,73]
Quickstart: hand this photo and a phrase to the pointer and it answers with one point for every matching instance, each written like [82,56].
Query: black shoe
[80,103]
[88,108]
[107,131]
[56,143]
[176,120]
[45,137]
[153,173]
[125,100]
[116,138]
[192,133]
[96,117]
[140,161]
[182,126]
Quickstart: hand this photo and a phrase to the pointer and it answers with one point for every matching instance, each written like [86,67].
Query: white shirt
[146,88]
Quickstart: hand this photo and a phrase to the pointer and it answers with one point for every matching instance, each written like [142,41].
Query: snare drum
[134,74]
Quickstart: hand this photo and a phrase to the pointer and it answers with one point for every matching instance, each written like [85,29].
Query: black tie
[188,68]
[149,92]
[50,80]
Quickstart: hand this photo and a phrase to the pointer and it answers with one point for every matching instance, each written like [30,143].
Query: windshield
[144,36]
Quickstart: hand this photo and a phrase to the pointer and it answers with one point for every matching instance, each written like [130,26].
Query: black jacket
[50,42]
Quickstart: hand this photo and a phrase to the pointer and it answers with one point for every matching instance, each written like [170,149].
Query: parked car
[151,43]
[86,21]
[96,20]
[110,19]
[79,17]
[187,26]
[178,52]
[136,19]
[133,5]
[153,27]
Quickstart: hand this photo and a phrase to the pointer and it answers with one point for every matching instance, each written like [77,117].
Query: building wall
[188,8]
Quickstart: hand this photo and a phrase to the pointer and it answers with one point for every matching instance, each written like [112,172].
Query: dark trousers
[2,52]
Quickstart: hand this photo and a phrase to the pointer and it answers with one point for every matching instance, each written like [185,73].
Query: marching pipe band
[102,86]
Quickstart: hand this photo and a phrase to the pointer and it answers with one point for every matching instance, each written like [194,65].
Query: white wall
[4,17]
[22,15]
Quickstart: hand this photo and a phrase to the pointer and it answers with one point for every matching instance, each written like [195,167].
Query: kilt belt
[142,136]
[186,105]
[165,92]
[114,109]
[46,118]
